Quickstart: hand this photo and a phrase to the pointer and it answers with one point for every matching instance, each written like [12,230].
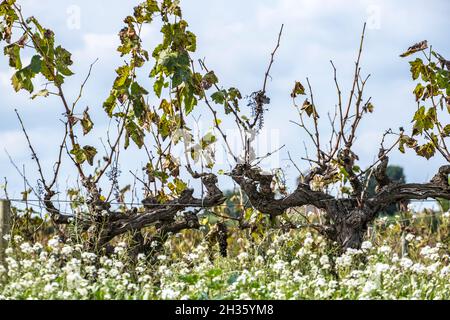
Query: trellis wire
[170,204]
[186,205]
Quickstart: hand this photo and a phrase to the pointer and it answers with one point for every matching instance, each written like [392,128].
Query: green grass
[281,265]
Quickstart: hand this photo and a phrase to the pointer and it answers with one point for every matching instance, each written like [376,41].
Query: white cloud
[5,79]
[300,12]
[14,142]
[96,45]
[16,145]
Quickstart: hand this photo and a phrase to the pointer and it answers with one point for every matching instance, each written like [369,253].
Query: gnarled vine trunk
[349,227]
[347,218]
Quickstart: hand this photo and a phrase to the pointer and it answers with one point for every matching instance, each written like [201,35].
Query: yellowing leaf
[42,93]
[415,48]
[299,89]
[86,122]
[309,108]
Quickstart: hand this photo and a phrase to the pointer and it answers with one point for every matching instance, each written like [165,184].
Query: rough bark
[347,218]
[162,214]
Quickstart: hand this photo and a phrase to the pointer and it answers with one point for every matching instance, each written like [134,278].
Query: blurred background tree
[396,174]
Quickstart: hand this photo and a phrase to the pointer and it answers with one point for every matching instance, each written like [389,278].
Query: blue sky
[236,38]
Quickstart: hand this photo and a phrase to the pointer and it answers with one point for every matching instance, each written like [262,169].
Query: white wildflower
[192,256]
[162,257]
[384,250]
[53,243]
[259,260]
[26,248]
[409,237]
[141,257]
[366,245]
[445,271]
[433,268]
[67,250]
[119,250]
[244,296]
[26,263]
[369,287]
[344,261]
[82,291]
[242,256]
[324,260]
[321,282]
[301,253]
[169,294]
[88,256]
[381,268]
[279,265]
[406,263]
[154,244]
[418,268]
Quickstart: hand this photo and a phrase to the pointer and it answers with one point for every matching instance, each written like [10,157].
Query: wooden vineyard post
[5,226]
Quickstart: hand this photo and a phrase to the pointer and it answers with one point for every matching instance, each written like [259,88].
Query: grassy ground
[298,264]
